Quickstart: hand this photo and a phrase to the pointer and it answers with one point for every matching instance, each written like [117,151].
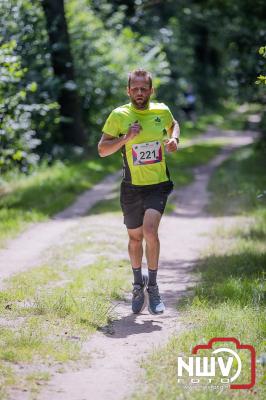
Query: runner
[140,130]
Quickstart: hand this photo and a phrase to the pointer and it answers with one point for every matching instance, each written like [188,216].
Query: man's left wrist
[177,139]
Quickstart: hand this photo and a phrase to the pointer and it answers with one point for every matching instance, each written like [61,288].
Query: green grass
[208,322]
[229,302]
[48,312]
[47,325]
[236,186]
[7,379]
[35,379]
[230,299]
[225,118]
[85,291]
[49,189]
[181,162]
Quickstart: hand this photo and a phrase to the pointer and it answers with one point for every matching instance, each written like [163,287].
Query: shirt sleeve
[169,119]
[112,125]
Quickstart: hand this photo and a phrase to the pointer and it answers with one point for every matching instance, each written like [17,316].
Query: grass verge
[227,117]
[49,189]
[230,300]
[48,312]
[238,187]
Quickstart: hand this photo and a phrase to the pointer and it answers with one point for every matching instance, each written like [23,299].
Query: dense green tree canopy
[209,45]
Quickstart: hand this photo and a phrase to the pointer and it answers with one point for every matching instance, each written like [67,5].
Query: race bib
[147,153]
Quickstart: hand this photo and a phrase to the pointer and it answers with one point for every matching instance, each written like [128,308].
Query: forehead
[139,81]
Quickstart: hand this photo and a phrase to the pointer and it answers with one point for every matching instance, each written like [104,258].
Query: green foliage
[104,54]
[209,45]
[28,106]
[262,78]
[18,139]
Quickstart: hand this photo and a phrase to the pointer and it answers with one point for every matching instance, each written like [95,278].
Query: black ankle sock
[137,276]
[152,277]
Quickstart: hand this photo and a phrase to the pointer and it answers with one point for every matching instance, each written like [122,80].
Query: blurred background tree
[71,123]
[69,65]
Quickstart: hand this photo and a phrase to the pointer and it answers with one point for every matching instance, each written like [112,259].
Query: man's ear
[127,90]
[152,91]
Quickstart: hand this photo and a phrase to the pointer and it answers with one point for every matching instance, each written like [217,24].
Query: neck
[144,107]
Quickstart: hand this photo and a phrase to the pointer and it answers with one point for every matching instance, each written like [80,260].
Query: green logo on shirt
[157,120]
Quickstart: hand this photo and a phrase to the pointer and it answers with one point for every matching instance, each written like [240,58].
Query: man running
[140,130]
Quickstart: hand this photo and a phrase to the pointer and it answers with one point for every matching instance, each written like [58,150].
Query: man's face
[139,91]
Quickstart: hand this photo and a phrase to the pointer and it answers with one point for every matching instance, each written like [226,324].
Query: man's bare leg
[135,251]
[151,223]
[135,247]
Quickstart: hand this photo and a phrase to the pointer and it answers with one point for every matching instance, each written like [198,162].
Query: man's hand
[171,145]
[133,131]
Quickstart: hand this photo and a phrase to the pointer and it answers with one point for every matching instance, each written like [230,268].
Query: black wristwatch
[177,139]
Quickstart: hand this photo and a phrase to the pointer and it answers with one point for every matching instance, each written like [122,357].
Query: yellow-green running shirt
[143,157]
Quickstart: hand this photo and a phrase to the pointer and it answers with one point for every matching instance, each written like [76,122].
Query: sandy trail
[114,368]
[29,249]
[116,353]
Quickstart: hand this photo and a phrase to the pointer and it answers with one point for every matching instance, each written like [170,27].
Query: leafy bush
[18,138]
[29,112]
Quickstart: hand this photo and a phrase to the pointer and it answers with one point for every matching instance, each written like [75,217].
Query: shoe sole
[155,313]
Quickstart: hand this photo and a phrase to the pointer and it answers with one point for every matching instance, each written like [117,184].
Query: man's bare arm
[110,144]
[174,131]
[171,144]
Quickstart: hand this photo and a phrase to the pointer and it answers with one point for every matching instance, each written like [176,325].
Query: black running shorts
[135,200]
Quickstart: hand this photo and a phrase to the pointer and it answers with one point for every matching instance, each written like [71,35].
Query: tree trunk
[207,71]
[72,128]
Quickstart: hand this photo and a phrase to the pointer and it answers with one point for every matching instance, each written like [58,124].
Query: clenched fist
[171,145]
[133,130]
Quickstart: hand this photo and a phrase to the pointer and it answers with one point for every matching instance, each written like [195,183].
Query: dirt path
[29,249]
[116,353]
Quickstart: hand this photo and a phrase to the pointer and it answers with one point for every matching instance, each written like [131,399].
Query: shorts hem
[135,227]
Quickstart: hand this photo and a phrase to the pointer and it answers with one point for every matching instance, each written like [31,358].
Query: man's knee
[150,232]
[135,238]
[133,241]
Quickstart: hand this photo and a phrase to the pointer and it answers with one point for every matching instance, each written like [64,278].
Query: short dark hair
[139,72]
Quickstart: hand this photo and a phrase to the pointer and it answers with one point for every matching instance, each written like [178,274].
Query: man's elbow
[101,150]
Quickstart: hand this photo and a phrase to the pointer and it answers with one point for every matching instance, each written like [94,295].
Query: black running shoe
[139,299]
[156,305]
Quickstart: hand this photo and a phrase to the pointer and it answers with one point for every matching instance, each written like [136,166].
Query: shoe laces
[154,293]
[137,291]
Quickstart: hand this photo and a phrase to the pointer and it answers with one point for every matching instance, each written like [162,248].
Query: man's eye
[141,89]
